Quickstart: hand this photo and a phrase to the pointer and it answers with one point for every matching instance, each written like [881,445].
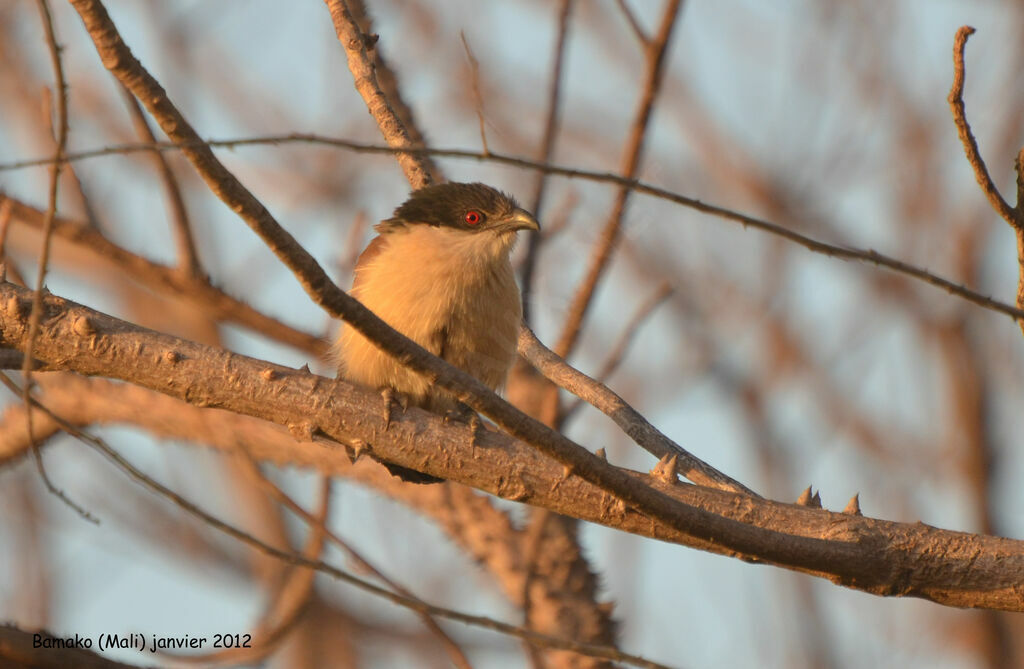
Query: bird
[439,272]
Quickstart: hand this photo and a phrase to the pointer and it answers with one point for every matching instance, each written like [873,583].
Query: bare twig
[455,653]
[287,605]
[6,215]
[44,254]
[354,243]
[1020,233]
[844,252]
[357,46]
[625,416]
[963,129]
[634,25]
[188,256]
[656,53]
[1012,215]
[615,358]
[474,79]
[547,147]
[159,277]
[90,214]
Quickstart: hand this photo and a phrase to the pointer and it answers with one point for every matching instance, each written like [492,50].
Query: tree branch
[626,417]
[875,556]
[963,129]
[418,168]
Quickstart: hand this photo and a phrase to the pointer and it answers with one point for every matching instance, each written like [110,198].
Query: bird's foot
[391,398]
[465,414]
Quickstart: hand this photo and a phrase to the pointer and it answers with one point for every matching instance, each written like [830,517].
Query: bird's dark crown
[447,204]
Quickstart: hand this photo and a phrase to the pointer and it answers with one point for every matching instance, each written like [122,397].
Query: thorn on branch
[853,506]
[809,498]
[359,447]
[667,470]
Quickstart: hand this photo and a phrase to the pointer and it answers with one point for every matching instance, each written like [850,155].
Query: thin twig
[458,658]
[288,603]
[844,252]
[1012,215]
[354,243]
[478,98]
[44,255]
[6,215]
[626,417]
[963,129]
[188,256]
[90,213]
[618,354]
[159,277]
[656,53]
[392,94]
[633,23]
[1020,234]
[547,147]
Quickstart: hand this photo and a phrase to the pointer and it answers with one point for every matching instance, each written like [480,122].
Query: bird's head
[473,214]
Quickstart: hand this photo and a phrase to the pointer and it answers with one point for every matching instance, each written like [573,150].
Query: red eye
[473,217]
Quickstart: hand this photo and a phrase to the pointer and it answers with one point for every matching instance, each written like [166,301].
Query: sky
[769,75]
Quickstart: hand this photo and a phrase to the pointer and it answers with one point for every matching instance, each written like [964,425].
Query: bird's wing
[372,250]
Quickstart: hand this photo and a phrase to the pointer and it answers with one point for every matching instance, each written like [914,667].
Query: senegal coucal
[439,272]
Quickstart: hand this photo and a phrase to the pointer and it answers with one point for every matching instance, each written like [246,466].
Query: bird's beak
[520,219]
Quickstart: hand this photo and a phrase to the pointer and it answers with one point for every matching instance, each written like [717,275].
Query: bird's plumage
[439,272]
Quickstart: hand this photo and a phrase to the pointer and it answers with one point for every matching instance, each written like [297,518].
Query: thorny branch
[876,556]
[298,560]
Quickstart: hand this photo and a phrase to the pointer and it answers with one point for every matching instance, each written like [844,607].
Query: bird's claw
[465,414]
[392,397]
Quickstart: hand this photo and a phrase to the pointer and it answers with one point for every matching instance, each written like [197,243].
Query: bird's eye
[473,217]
